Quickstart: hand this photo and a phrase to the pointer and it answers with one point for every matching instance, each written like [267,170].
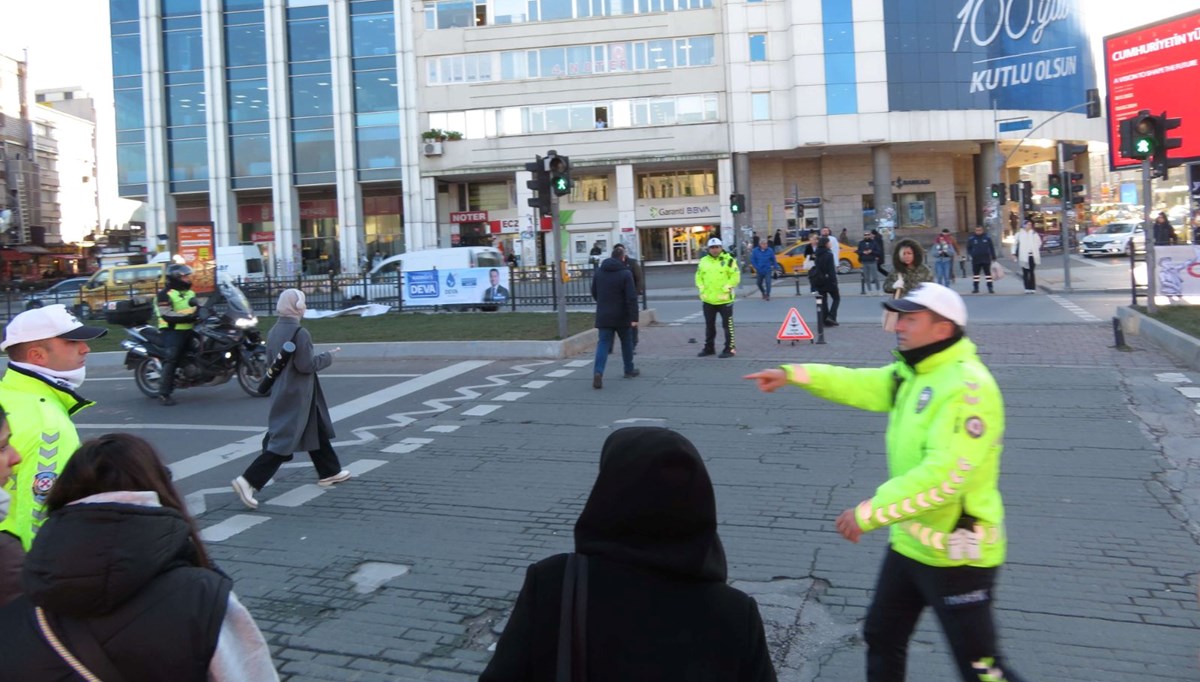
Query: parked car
[790,261]
[65,292]
[1114,239]
[1052,241]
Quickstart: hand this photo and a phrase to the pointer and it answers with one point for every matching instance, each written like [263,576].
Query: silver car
[1114,239]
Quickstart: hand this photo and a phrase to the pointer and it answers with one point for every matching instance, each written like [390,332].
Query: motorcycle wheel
[251,370]
[148,375]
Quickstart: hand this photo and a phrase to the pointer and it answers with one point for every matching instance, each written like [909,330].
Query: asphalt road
[466,471]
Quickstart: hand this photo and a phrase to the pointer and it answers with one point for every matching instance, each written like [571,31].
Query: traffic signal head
[1146,135]
[1056,189]
[559,168]
[1027,195]
[737,203]
[1164,143]
[998,192]
[540,184]
[1075,188]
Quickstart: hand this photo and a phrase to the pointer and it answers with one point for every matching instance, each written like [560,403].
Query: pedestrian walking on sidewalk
[639,285]
[879,249]
[982,252]
[941,503]
[120,581]
[868,258]
[944,253]
[763,260]
[299,418]
[615,294]
[650,599]
[1027,251]
[717,276]
[824,281]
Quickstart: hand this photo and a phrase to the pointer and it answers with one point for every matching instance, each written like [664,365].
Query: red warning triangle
[793,328]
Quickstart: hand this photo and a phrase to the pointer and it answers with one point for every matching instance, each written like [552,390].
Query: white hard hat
[715,242]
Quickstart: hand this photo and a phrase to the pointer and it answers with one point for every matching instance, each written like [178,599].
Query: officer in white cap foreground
[47,350]
[717,275]
[944,438]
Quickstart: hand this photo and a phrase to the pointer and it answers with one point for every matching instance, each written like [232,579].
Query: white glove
[899,282]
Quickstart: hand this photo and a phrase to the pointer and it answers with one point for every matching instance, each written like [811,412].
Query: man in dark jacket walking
[982,252]
[616,313]
[656,606]
[868,257]
[824,281]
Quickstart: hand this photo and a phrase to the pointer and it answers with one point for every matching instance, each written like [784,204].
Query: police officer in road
[717,277]
[944,438]
[176,311]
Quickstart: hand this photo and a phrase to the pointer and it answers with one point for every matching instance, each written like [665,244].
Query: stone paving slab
[1099,586]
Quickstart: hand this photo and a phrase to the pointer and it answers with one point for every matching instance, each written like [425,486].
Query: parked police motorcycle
[224,343]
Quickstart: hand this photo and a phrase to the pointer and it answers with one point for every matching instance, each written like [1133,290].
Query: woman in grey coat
[299,418]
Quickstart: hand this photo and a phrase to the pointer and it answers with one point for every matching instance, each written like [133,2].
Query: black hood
[653,506]
[612,265]
[88,559]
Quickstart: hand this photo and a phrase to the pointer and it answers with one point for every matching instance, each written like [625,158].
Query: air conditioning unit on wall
[433,149]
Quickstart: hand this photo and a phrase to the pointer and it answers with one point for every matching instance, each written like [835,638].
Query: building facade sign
[679,213]
[963,54]
[469,217]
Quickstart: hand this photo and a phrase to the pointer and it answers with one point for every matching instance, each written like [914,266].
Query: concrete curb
[1178,345]
[487,350]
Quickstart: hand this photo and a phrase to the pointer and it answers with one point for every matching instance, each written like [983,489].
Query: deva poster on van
[457,286]
[195,244]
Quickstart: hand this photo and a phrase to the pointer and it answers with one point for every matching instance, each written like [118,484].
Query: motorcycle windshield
[232,296]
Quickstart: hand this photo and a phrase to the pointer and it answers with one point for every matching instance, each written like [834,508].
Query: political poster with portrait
[1178,271]
[457,286]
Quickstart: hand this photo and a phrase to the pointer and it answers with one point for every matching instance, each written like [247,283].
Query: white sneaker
[340,476]
[245,491]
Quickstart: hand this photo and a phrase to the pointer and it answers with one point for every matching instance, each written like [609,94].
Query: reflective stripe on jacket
[39,415]
[180,303]
[944,439]
[716,278]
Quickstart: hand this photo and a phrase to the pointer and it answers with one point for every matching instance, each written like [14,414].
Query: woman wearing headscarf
[118,583]
[299,418]
[657,606]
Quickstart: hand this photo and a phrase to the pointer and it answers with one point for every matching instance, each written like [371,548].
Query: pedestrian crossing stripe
[793,328]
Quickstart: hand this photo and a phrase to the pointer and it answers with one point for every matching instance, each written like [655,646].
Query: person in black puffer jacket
[123,580]
[657,604]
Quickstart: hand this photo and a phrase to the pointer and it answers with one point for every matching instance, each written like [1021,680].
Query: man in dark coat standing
[616,313]
[299,418]
[824,281]
[656,603]
[982,252]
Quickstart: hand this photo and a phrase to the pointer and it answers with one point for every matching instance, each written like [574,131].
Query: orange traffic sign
[793,328]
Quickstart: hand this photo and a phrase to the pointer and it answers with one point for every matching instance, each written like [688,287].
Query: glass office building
[330,130]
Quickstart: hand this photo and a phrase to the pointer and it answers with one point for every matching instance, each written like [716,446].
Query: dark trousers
[829,310]
[981,270]
[604,346]
[1027,273]
[962,599]
[763,280]
[324,459]
[175,343]
[710,324]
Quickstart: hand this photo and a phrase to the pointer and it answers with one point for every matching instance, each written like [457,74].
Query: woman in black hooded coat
[657,606]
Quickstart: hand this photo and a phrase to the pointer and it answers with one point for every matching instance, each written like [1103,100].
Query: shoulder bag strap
[566,621]
[85,640]
[579,636]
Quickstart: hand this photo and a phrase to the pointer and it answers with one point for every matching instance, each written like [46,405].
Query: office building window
[760,106]
[676,184]
[487,196]
[589,188]
[758,47]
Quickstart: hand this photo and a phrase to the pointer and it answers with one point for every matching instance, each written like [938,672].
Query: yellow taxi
[790,261]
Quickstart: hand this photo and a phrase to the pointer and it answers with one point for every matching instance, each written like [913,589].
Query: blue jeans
[942,269]
[764,282]
[606,342]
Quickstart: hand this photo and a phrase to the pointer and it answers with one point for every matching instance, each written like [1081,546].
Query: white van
[380,283]
[242,261]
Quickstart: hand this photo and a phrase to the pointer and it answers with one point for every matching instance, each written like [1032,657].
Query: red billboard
[1155,67]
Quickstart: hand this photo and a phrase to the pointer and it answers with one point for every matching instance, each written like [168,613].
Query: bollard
[1118,333]
[820,320]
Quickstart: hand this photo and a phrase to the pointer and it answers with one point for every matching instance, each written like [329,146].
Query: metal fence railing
[531,288]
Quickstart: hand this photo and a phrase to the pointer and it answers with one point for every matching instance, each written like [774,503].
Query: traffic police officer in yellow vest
[176,311]
[717,277]
[47,351]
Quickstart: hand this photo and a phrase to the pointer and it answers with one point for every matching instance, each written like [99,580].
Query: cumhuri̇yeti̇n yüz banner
[457,286]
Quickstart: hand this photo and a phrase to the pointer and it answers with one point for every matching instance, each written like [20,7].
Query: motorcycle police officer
[176,312]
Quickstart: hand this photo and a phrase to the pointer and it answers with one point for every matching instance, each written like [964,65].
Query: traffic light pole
[560,296]
[1148,238]
[1063,234]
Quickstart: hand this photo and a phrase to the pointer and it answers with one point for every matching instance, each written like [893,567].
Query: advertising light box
[1155,67]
